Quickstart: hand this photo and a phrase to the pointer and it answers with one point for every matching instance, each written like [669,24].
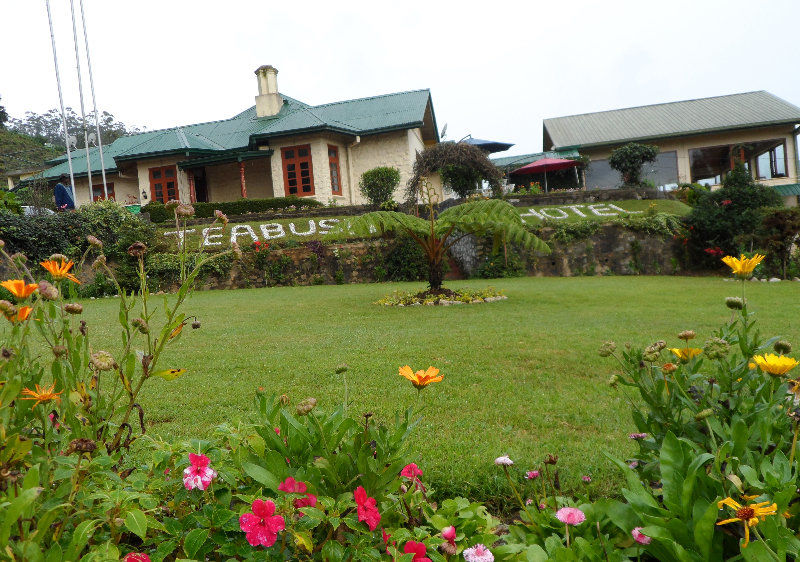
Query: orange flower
[41,394]
[421,379]
[22,314]
[19,288]
[60,271]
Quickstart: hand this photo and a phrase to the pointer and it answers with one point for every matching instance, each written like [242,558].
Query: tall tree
[49,127]
[3,116]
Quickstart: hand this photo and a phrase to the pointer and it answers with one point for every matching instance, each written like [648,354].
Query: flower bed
[442,297]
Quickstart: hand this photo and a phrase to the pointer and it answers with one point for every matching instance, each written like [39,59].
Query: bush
[779,231]
[405,261]
[499,265]
[159,214]
[690,193]
[378,184]
[157,211]
[629,159]
[462,180]
[40,236]
[116,227]
[728,218]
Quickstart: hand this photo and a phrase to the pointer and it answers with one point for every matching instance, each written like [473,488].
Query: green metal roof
[403,110]
[787,189]
[512,162]
[735,111]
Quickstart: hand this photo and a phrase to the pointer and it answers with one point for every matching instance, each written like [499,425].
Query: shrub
[159,213]
[40,236]
[462,180]
[116,227]
[500,264]
[462,161]
[778,233]
[405,260]
[690,193]
[629,159]
[378,184]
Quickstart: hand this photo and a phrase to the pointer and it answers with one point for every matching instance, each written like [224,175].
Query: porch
[230,176]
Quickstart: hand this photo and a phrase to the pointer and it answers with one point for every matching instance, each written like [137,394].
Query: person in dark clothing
[63,195]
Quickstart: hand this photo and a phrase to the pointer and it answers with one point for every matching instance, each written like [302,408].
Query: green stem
[760,538]
[516,493]
[794,444]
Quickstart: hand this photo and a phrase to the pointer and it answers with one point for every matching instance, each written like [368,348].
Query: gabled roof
[735,111]
[513,162]
[390,112]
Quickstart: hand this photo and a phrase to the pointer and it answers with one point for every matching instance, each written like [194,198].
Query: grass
[555,213]
[521,376]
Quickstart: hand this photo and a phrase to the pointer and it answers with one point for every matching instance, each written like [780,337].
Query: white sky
[495,68]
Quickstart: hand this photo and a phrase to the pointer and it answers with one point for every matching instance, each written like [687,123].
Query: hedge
[158,213]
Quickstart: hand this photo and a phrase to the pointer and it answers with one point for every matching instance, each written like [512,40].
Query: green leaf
[136,522]
[14,510]
[704,530]
[303,539]
[83,532]
[194,542]
[261,475]
[332,551]
[672,471]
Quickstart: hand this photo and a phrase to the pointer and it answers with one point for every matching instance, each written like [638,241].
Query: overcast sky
[495,69]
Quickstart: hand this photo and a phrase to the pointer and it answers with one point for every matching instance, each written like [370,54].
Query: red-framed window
[298,175]
[163,183]
[98,194]
[333,163]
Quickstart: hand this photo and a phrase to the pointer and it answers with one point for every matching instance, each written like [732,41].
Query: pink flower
[418,549]
[542,506]
[411,471]
[292,486]
[386,536]
[640,537]
[638,436]
[503,461]
[633,464]
[586,478]
[532,475]
[478,553]
[726,202]
[529,501]
[198,474]
[278,430]
[261,526]
[449,534]
[570,516]
[136,557]
[367,508]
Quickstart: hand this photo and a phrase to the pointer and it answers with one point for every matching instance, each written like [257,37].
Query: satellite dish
[443,134]
[93,139]
[72,141]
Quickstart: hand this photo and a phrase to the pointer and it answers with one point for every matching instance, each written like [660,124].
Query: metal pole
[80,96]
[61,101]
[94,102]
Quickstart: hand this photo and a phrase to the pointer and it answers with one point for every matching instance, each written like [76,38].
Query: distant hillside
[18,151]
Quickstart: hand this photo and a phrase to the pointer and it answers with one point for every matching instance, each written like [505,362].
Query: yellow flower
[777,365]
[60,271]
[686,353]
[743,266]
[41,394]
[19,288]
[421,379]
[748,514]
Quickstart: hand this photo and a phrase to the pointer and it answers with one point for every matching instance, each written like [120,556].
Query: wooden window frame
[773,162]
[111,195]
[153,181]
[297,160]
[334,161]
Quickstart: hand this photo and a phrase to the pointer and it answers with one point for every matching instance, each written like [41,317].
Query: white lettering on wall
[312,228]
[574,209]
[243,230]
[272,230]
[600,208]
[208,237]
[546,212]
[533,213]
[326,224]
[620,209]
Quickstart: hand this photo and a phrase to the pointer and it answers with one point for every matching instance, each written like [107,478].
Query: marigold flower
[198,474]
[478,553]
[640,537]
[777,365]
[686,353]
[367,508]
[42,394]
[19,288]
[20,315]
[749,514]
[261,527]
[421,379]
[743,266]
[60,270]
[570,516]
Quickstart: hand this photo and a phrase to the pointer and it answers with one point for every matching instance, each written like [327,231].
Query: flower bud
[304,407]
[19,259]
[196,325]
[137,249]
[341,368]
[73,308]
[81,445]
[103,361]
[59,350]
[608,348]
[7,308]
[58,257]
[703,414]
[2,243]
[184,210]
[781,347]
[99,262]
[448,549]
[140,325]
[716,348]
[612,381]
[94,241]
[48,290]
[687,335]
[735,303]
[172,204]
[669,368]
[220,216]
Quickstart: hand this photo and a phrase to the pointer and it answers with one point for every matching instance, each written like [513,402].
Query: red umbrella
[546,165]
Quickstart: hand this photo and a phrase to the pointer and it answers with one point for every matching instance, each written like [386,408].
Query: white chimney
[268,100]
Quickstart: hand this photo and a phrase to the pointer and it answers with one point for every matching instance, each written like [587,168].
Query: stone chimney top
[268,100]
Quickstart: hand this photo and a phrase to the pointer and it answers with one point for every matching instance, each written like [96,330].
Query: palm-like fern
[488,217]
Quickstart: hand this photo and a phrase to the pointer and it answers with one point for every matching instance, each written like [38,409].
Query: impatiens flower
[749,515]
[136,557]
[640,537]
[777,365]
[19,288]
[449,534]
[411,471]
[292,486]
[478,553]
[586,478]
[532,475]
[633,464]
[418,549]
[529,501]
[421,379]
[638,436]
[41,394]
[261,526]
[743,266]
[60,270]
[503,461]
[198,474]
[570,516]
[367,508]
[686,353]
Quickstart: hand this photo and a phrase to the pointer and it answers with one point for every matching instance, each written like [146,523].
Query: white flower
[503,461]
[478,553]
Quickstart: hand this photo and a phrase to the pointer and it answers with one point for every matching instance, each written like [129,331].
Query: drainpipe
[350,167]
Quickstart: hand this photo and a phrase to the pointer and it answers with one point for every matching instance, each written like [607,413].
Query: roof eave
[155,154]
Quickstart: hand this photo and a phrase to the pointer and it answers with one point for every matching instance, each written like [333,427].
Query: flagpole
[80,96]
[94,102]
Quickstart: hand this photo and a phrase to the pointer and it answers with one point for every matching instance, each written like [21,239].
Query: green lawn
[601,211]
[521,376]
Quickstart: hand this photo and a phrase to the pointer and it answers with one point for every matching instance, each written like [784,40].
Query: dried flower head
[19,259]
[99,262]
[141,325]
[184,210]
[220,216]
[7,308]
[172,204]
[304,407]
[83,329]
[48,290]
[716,348]
[196,325]
[94,241]
[73,308]
[735,303]
[137,249]
[607,348]
[103,361]
[551,459]
[6,353]
[781,347]
[341,368]
[58,257]
[637,436]
[81,445]
[59,350]
[687,335]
